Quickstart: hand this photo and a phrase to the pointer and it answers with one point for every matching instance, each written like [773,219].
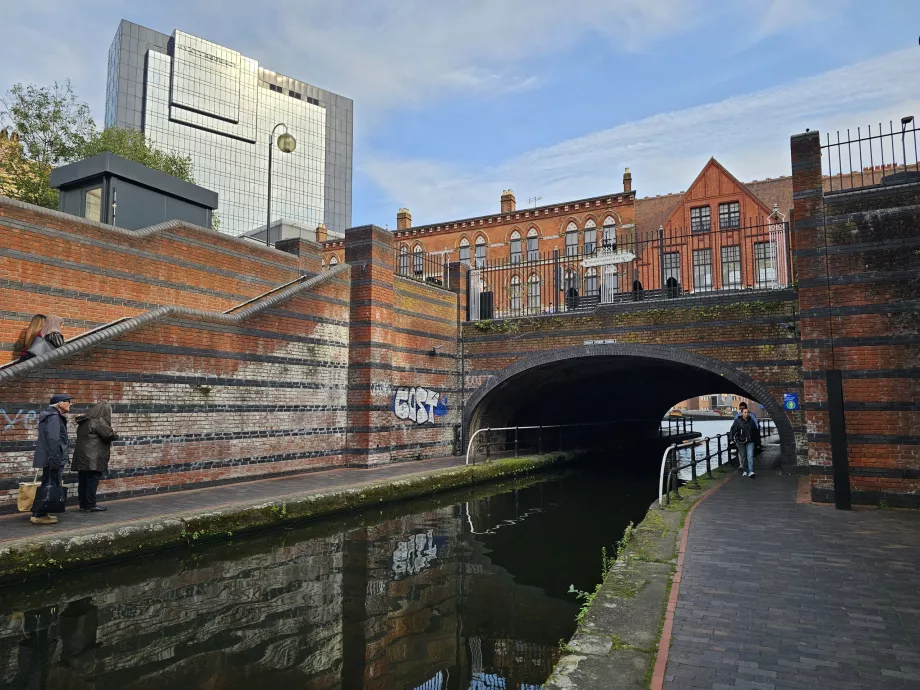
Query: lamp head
[907,119]
[287,143]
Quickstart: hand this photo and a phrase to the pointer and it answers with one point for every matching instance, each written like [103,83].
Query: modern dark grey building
[111,189]
[200,99]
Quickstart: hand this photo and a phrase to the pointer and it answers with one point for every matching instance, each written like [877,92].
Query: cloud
[748,133]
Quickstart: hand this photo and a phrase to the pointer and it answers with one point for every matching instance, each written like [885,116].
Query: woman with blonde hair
[92,452]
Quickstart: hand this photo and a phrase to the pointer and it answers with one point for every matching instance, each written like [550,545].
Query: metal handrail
[517,429]
[674,467]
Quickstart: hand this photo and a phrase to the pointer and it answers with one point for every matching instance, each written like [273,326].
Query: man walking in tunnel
[744,434]
[744,406]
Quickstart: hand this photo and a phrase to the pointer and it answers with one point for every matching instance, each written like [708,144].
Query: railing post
[516,442]
[719,450]
[488,447]
[674,478]
[540,440]
[555,281]
[709,461]
[693,483]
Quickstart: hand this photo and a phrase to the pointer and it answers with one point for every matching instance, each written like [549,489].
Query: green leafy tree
[134,146]
[51,123]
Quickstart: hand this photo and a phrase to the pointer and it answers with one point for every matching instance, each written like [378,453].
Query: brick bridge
[227,361]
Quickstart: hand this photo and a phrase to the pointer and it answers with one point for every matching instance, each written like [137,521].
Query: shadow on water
[465,590]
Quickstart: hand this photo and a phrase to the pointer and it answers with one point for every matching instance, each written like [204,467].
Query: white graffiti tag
[418,404]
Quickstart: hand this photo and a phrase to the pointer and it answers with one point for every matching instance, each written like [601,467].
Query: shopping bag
[50,499]
[27,494]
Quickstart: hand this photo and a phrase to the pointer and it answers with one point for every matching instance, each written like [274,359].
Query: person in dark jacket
[91,455]
[51,451]
[744,434]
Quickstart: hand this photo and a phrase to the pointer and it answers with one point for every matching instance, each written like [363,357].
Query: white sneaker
[751,475]
[744,474]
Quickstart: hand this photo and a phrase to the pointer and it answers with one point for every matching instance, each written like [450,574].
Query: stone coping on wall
[215,518]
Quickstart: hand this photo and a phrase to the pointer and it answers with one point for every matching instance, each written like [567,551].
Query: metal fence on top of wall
[872,156]
[706,260]
[422,266]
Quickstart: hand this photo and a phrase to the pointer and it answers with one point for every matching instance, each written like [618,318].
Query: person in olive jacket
[91,455]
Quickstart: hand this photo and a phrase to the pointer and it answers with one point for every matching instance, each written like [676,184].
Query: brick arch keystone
[751,386]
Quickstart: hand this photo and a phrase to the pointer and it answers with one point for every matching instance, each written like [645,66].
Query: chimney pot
[403,219]
[627,181]
[508,202]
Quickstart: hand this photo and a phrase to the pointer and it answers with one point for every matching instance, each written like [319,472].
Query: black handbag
[39,346]
[50,499]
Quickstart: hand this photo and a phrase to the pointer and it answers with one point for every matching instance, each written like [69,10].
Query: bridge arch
[610,381]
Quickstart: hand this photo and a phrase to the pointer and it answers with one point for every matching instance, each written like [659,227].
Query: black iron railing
[659,265]
[872,156]
[422,266]
[675,426]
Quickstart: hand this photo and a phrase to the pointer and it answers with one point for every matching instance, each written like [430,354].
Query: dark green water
[461,591]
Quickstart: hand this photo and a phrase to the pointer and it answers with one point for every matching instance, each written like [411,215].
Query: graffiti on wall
[419,404]
[27,419]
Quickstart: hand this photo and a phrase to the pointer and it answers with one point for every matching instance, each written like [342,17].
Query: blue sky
[456,101]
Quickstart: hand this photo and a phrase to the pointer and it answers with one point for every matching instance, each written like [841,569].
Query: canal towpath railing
[550,437]
[672,463]
[671,426]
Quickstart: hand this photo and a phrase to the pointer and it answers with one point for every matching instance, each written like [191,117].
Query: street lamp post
[287,144]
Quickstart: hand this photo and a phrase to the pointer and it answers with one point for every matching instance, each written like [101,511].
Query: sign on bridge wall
[419,404]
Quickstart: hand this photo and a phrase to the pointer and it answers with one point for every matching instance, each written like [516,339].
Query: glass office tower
[196,98]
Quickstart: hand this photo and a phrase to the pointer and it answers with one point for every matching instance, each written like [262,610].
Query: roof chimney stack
[321,233]
[403,219]
[627,181]
[508,202]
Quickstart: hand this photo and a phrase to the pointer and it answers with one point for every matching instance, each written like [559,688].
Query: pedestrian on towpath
[744,406]
[744,435]
[91,454]
[50,453]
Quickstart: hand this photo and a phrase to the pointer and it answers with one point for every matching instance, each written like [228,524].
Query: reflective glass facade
[196,98]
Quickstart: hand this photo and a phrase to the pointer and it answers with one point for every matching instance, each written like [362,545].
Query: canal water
[460,591]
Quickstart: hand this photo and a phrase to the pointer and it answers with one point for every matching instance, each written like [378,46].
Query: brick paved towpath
[16,526]
[779,594]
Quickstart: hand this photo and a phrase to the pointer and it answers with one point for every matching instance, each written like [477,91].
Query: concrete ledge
[616,644]
[28,557]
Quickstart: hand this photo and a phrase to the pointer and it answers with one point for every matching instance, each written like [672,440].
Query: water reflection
[462,592]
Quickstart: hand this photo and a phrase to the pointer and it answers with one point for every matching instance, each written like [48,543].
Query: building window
[333,261]
[515,295]
[609,238]
[92,207]
[590,237]
[571,240]
[533,245]
[418,261]
[699,219]
[702,270]
[534,304]
[672,274]
[480,251]
[764,265]
[730,215]
[592,286]
[465,251]
[515,247]
[312,100]
[294,94]
[275,88]
[403,261]
[731,268]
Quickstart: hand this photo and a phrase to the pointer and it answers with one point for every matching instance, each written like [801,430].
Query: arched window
[403,260]
[333,261]
[418,259]
[592,287]
[534,303]
[480,251]
[610,232]
[465,251]
[533,245]
[515,295]
[571,240]
[590,237]
[323,262]
[515,247]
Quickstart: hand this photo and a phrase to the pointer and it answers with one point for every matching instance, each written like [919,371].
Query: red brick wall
[194,402]
[858,306]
